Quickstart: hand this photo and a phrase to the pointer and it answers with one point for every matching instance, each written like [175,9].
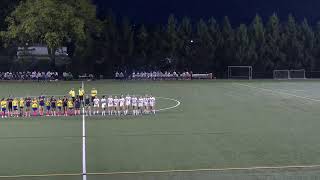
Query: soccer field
[204,129]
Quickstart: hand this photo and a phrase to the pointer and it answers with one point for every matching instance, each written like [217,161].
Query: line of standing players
[71,105]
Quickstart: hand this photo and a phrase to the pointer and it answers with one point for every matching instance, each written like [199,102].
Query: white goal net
[240,72]
[289,74]
[281,74]
[297,74]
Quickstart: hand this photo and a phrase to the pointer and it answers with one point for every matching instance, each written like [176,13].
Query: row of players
[51,106]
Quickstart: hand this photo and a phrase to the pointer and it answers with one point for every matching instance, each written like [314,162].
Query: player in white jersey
[128,104]
[103,105]
[152,104]
[121,105]
[110,105]
[146,104]
[96,103]
[134,103]
[140,105]
[116,105]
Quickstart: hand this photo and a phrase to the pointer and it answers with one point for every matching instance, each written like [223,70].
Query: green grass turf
[219,124]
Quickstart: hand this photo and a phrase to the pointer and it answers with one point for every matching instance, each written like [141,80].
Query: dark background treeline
[200,46]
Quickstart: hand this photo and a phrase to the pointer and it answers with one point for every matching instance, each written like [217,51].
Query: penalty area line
[278,92]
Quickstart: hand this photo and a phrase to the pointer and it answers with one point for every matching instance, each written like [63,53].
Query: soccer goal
[289,74]
[297,74]
[240,72]
[281,74]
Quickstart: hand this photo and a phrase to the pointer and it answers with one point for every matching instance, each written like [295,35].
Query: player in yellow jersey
[3,108]
[21,106]
[59,105]
[81,94]
[72,94]
[34,106]
[70,107]
[15,104]
[48,106]
[94,94]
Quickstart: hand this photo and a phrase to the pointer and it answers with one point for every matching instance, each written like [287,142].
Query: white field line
[84,159]
[174,171]
[279,92]
[294,90]
[168,108]
[40,175]
[199,170]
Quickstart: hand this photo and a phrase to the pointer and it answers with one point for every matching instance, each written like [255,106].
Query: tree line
[107,44]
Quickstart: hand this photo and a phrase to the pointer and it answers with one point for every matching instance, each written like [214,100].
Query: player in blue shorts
[41,105]
[53,105]
[3,107]
[28,107]
[15,104]
[35,106]
[48,106]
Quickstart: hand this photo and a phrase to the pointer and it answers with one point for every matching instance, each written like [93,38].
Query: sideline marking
[172,171]
[199,170]
[279,92]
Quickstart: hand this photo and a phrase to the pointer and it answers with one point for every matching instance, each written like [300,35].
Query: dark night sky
[157,11]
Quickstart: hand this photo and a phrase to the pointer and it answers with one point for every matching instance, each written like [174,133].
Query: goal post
[281,74]
[297,74]
[289,74]
[240,72]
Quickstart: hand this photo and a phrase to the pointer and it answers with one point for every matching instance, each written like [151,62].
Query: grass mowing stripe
[279,92]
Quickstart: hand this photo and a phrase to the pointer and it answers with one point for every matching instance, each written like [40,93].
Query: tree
[291,45]
[242,43]
[273,53]
[227,45]
[258,43]
[307,38]
[111,42]
[6,7]
[49,22]
[185,46]
[172,38]
[316,51]
[205,49]
[142,46]
[126,44]
[215,33]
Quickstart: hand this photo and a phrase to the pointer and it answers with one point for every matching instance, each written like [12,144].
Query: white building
[39,51]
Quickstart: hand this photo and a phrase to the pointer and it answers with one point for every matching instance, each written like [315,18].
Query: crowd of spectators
[29,75]
[155,75]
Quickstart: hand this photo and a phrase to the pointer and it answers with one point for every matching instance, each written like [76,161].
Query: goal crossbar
[289,74]
[240,72]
